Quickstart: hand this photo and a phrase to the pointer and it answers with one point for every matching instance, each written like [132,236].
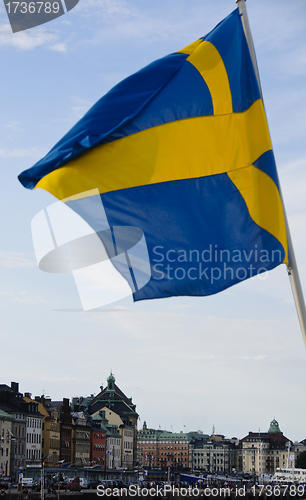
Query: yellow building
[50,430]
[127,437]
[263,452]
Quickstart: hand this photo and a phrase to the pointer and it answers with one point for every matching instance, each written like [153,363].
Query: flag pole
[292,265]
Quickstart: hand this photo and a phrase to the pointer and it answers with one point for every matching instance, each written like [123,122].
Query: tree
[300,462]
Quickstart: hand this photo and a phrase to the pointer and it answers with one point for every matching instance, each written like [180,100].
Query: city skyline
[142,421]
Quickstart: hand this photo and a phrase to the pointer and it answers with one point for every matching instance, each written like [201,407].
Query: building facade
[113,440]
[98,446]
[5,443]
[66,425]
[50,443]
[11,401]
[263,452]
[113,399]
[127,438]
[161,449]
[80,439]
[33,432]
[215,455]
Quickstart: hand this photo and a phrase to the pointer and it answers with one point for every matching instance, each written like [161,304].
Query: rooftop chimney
[15,386]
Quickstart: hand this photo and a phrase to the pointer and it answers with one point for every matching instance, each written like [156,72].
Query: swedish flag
[181,149]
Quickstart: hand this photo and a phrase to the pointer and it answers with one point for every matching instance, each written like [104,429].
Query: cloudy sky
[235,360]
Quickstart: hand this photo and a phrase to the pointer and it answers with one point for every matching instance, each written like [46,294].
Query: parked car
[3,485]
[93,485]
[62,485]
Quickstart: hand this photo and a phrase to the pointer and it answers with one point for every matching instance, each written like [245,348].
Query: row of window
[128,445]
[164,447]
[7,434]
[54,443]
[99,436]
[207,454]
[54,427]
[182,453]
[202,461]
[114,441]
[19,430]
[183,460]
[2,452]
[161,442]
[34,422]
[19,448]
[82,435]
[99,447]
[34,438]
[33,454]
[266,452]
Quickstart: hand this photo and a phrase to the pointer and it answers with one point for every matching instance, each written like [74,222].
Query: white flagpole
[292,265]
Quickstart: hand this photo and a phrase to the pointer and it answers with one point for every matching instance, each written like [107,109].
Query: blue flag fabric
[181,150]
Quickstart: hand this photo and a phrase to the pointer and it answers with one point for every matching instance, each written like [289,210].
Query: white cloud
[59,47]
[29,40]
[23,153]
[76,111]
[108,8]
[27,298]
[15,126]
[24,297]
[11,260]
[81,106]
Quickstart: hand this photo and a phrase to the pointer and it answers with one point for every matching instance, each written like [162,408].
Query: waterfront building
[66,425]
[50,430]
[64,420]
[263,452]
[127,437]
[116,401]
[162,449]
[80,439]
[11,402]
[113,440]
[5,443]
[214,455]
[97,445]
[33,432]
[293,453]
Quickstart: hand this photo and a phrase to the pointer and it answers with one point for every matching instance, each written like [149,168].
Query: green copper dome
[274,427]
